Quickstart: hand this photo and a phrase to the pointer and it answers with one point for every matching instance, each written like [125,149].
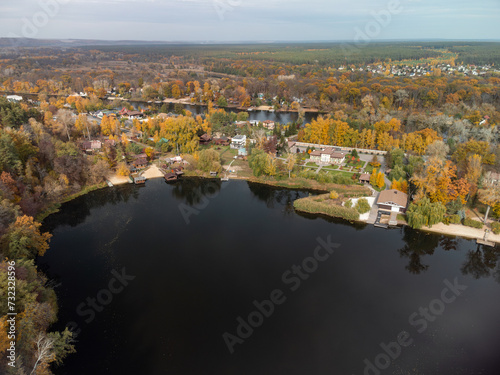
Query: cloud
[250,19]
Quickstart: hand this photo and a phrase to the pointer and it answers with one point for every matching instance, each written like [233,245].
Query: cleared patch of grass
[323,205]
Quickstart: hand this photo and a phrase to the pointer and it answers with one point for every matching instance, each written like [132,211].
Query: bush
[362,206]
[473,223]
[495,227]
[348,203]
[133,148]
[334,195]
[452,219]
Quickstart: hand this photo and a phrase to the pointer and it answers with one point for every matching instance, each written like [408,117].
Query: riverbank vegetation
[325,205]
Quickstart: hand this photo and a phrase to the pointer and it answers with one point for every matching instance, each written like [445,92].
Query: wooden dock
[486,243]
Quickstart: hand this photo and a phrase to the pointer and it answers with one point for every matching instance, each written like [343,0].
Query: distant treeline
[323,54]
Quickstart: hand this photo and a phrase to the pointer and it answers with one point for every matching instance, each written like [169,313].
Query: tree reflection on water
[481,263]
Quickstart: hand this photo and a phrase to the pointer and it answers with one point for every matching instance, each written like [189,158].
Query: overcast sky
[250,20]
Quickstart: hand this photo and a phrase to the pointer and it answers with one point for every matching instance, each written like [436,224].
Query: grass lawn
[401,217]
[343,173]
[369,168]
[331,167]
[311,164]
[358,164]
[227,154]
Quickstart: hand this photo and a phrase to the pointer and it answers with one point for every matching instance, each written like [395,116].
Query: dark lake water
[202,259]
[281,117]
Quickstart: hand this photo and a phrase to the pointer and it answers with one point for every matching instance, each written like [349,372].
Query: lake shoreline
[453,230]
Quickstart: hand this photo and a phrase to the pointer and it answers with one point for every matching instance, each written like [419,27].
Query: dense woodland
[440,130]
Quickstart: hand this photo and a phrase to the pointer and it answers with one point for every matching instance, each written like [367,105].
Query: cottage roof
[140,161]
[393,196]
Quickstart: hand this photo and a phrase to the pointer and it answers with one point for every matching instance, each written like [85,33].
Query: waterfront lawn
[322,204]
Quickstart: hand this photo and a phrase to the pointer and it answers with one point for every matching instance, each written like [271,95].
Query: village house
[268,124]
[393,200]
[205,139]
[14,98]
[110,142]
[140,163]
[492,178]
[327,156]
[241,124]
[222,141]
[238,141]
[131,115]
[90,146]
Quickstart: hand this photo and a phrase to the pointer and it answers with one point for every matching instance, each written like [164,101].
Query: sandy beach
[462,231]
[118,180]
[152,172]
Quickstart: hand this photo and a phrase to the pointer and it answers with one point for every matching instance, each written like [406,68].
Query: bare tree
[66,118]
[44,352]
[438,149]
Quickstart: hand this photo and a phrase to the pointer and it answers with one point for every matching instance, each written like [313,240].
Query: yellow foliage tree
[24,239]
[380,180]
[123,170]
[4,339]
[373,177]
[124,139]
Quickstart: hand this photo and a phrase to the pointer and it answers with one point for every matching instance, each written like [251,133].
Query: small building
[205,139]
[240,124]
[110,142]
[14,98]
[175,159]
[292,147]
[392,200]
[90,146]
[140,163]
[135,115]
[364,178]
[222,141]
[178,171]
[268,124]
[492,178]
[242,151]
[139,180]
[95,144]
[238,141]
[171,176]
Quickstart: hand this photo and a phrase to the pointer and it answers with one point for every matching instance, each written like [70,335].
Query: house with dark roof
[222,141]
[140,163]
[205,139]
